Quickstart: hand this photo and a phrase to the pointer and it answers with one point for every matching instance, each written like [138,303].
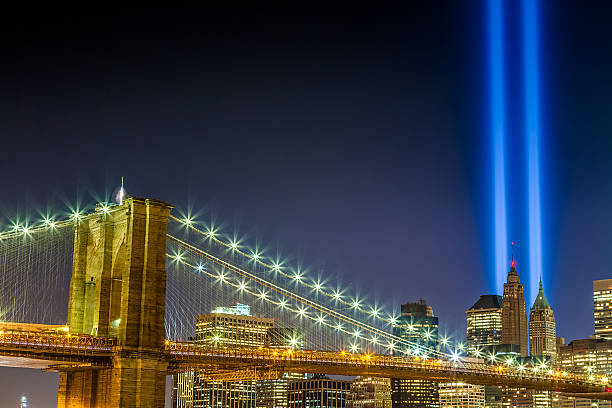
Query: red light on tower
[512,263]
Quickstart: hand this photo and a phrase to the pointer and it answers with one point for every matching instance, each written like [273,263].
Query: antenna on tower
[512,251]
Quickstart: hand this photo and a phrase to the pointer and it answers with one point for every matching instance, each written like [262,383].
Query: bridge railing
[60,341]
[191,351]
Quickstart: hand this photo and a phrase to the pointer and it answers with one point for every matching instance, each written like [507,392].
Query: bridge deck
[185,355]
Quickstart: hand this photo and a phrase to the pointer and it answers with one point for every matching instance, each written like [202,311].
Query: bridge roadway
[54,348]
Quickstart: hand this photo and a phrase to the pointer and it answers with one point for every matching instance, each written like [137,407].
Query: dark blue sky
[353,138]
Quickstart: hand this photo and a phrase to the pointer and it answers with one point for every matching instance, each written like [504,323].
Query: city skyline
[355,141]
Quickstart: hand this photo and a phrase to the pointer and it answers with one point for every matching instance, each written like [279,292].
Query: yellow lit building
[369,392]
[484,324]
[602,302]
[460,395]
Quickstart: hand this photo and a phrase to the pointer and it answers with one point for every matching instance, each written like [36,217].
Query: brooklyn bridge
[109,298]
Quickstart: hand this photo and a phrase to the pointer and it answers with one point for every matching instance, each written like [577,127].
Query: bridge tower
[118,289]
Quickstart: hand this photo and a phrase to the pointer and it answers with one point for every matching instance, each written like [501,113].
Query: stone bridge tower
[118,289]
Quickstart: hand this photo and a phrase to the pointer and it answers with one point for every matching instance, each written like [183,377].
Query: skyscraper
[514,313]
[484,324]
[419,326]
[602,302]
[319,391]
[542,330]
[460,395]
[369,392]
[224,326]
[484,330]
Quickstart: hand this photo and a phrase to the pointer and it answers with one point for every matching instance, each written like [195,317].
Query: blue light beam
[532,134]
[496,77]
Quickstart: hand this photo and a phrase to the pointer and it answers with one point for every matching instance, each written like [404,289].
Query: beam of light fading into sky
[496,77]
[532,134]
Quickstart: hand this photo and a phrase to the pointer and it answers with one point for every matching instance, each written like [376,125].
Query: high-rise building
[418,325]
[602,302]
[542,329]
[484,328]
[460,395]
[586,355]
[224,326]
[484,324]
[369,392]
[514,313]
[274,393]
[318,392]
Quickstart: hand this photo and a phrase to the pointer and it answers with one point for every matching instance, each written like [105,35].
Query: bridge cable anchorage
[298,298]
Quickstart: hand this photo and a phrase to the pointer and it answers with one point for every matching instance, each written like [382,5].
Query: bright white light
[242,286]
[234,245]
[357,333]
[282,303]
[297,276]
[354,348]
[444,340]
[25,230]
[339,326]
[317,286]
[374,312]
[374,340]
[263,295]
[455,356]
[410,328]
[337,295]
[76,215]
[188,221]
[356,304]
[301,311]
[427,335]
[104,208]
[255,255]
[293,342]
[221,277]
[211,232]
[321,319]
[200,267]
[392,319]
[391,346]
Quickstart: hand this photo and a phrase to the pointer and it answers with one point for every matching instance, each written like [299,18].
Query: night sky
[355,139]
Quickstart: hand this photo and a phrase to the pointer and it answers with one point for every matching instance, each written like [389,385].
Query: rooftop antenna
[512,261]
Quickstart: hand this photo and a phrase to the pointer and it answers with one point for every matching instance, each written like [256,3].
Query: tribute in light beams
[532,134]
[496,74]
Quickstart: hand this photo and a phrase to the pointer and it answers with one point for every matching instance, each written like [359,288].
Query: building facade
[602,307]
[542,328]
[514,313]
[460,395]
[369,392]
[418,325]
[318,392]
[592,355]
[224,326]
[274,393]
[484,324]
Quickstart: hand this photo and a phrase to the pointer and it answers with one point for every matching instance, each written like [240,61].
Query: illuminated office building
[484,333]
[587,355]
[418,325]
[484,324]
[369,392]
[514,313]
[274,393]
[224,326]
[542,330]
[602,305]
[460,395]
[318,392]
